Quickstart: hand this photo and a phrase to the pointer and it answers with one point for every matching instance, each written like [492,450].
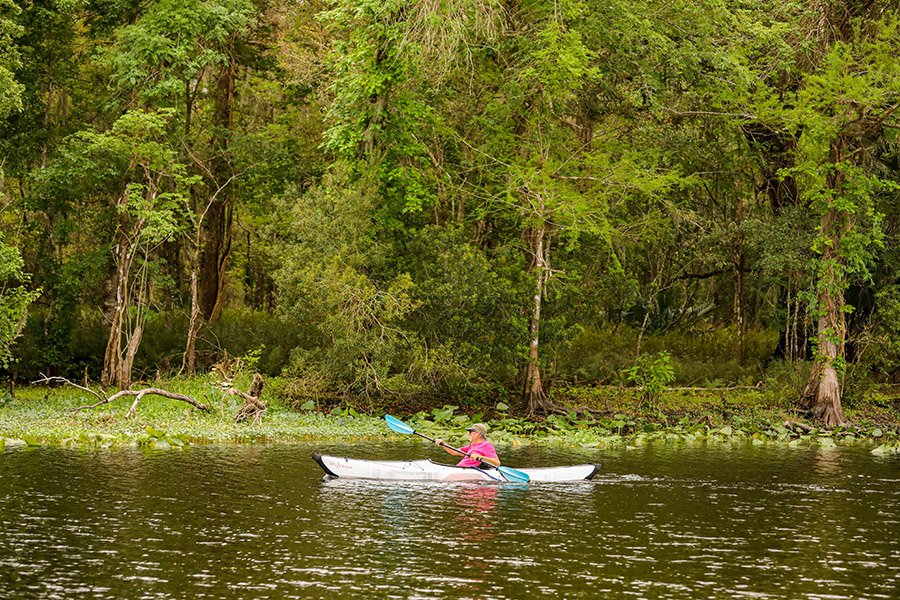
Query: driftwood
[102,398]
[253,408]
[796,425]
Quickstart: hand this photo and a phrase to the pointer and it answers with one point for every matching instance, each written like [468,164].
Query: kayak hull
[428,470]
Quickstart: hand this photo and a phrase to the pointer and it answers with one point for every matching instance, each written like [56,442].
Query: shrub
[652,374]
[704,357]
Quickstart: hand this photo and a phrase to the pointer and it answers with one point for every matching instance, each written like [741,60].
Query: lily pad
[826,443]
[161,445]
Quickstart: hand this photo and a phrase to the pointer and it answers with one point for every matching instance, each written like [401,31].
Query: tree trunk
[535,396]
[379,104]
[788,348]
[117,305]
[253,407]
[822,395]
[214,257]
[189,358]
[127,362]
[117,361]
[738,264]
[216,227]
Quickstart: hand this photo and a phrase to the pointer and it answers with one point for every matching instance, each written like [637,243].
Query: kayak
[428,470]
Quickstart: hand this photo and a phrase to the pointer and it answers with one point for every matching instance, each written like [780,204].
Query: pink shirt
[483,448]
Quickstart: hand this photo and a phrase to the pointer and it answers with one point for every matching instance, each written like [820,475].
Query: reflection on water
[261,522]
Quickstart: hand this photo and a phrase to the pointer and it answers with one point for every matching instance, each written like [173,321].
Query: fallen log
[796,425]
[102,398]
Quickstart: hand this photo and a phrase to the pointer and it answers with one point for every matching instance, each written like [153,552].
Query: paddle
[509,473]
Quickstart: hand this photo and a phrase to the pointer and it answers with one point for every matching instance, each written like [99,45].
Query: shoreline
[596,418]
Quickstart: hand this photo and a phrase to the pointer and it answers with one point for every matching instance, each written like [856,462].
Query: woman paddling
[479,449]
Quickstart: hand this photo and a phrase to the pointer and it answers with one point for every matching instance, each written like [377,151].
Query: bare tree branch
[138,395]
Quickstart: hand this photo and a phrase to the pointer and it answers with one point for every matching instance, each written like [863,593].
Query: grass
[599,416]
[46,416]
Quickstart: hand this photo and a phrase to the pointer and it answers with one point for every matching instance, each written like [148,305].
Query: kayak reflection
[478,498]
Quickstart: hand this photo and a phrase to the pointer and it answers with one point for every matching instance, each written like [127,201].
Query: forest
[453,198]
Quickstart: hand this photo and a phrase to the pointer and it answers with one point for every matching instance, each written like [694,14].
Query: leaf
[443,414]
[308,405]
[882,450]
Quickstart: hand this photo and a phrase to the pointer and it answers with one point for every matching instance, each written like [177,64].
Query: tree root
[102,398]
[253,407]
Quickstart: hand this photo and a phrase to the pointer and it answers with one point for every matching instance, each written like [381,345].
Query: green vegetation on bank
[596,418]
[410,199]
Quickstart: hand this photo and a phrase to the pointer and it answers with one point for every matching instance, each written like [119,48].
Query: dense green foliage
[14,300]
[473,200]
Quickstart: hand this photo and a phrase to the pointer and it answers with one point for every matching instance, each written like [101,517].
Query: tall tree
[829,99]
[526,151]
[130,177]
[842,113]
[188,55]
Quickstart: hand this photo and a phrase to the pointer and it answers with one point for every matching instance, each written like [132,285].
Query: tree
[818,99]
[526,148]
[14,300]
[133,172]
[843,113]
[14,294]
[839,110]
[188,55]
[10,89]
[328,248]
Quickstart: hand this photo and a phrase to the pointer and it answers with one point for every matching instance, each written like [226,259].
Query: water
[260,522]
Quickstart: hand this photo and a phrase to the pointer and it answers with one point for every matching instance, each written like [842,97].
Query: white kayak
[428,470]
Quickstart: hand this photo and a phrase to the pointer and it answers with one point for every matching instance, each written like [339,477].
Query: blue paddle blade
[398,425]
[514,474]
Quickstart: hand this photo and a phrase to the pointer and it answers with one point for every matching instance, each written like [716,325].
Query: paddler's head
[478,431]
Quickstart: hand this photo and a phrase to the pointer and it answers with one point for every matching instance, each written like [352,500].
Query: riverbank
[594,417]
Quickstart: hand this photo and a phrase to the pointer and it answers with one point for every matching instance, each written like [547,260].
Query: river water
[260,522]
